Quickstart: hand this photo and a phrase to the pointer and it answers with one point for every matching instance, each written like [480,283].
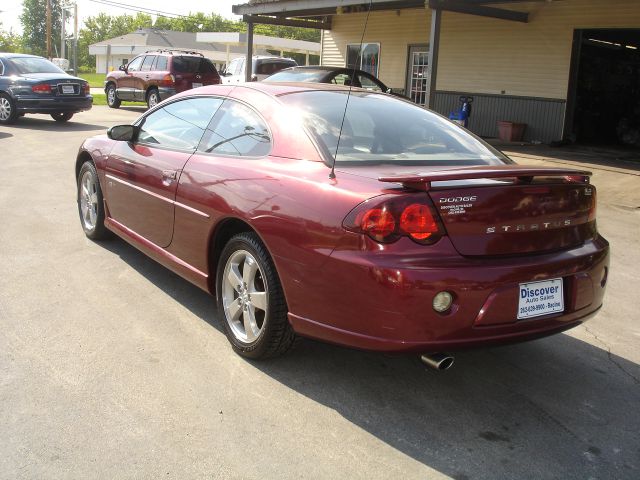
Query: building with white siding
[568,69]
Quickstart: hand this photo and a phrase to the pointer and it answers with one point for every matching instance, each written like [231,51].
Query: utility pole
[63,40]
[75,38]
[48,29]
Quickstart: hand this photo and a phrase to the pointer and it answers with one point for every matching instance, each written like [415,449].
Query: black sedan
[335,75]
[30,84]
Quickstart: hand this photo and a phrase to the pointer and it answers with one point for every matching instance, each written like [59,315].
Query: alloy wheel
[244,295]
[5,109]
[89,200]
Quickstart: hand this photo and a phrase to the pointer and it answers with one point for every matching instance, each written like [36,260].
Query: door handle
[169,174]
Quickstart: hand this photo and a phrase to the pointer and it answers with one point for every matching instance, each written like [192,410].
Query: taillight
[378,223]
[418,222]
[86,89]
[385,219]
[41,88]
[168,80]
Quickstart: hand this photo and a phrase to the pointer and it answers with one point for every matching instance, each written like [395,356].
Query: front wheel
[251,303]
[112,97]
[90,203]
[153,98]
[62,116]
[8,112]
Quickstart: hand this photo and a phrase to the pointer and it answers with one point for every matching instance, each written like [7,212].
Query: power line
[126,6]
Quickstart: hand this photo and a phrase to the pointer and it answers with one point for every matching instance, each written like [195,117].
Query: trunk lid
[511,210]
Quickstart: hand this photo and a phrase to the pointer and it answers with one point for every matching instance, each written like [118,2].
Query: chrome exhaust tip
[437,361]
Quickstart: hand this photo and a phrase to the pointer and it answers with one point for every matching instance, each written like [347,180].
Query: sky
[10,10]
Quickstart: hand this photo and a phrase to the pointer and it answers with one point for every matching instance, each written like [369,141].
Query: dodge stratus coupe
[348,216]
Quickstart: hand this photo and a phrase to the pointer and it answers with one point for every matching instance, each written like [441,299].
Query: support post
[306,58]
[434,51]
[248,70]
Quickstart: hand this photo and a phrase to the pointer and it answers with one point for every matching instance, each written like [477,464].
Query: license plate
[196,85]
[68,89]
[540,298]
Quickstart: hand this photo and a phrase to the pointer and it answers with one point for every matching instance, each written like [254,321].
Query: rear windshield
[295,76]
[380,129]
[193,65]
[268,67]
[34,65]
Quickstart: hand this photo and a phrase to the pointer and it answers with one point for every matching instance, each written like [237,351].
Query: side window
[233,65]
[239,67]
[134,65]
[180,124]
[369,84]
[238,131]
[161,63]
[1,68]
[148,61]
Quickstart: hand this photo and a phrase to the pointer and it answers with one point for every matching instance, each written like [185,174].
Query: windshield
[379,129]
[295,76]
[34,65]
[268,67]
[193,65]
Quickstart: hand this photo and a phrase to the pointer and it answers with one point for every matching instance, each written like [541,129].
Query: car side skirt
[160,255]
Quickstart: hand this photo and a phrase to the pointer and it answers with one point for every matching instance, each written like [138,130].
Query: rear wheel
[90,203]
[8,112]
[153,98]
[62,116]
[112,97]
[251,303]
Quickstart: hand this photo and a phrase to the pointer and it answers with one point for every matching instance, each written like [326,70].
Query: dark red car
[424,239]
[156,75]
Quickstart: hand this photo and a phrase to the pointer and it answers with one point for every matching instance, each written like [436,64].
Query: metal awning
[313,11]
[318,13]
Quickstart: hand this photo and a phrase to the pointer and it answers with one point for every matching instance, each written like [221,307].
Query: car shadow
[48,124]
[554,408]
[5,135]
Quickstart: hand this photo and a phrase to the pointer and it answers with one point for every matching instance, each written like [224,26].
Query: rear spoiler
[524,174]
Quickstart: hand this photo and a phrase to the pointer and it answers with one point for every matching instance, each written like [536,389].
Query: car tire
[112,96]
[8,111]
[250,300]
[153,98]
[62,116]
[90,203]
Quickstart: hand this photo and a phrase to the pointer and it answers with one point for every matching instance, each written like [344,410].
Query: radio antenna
[332,174]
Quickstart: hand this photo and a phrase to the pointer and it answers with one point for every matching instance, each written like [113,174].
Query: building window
[367,60]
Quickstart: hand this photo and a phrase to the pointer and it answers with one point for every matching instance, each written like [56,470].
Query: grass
[95,79]
[101,99]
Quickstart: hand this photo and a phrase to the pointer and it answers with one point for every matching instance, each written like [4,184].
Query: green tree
[103,27]
[34,26]
[9,41]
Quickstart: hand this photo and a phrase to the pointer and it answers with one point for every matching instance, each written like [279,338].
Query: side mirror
[123,133]
[123,68]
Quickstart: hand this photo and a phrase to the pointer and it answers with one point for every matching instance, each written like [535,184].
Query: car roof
[16,55]
[277,89]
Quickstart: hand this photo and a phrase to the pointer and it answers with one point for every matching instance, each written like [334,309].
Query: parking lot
[113,367]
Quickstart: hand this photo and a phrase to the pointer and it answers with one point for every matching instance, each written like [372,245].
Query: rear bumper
[165,92]
[384,303]
[54,104]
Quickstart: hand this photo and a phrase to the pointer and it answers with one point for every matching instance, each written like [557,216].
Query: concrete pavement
[113,367]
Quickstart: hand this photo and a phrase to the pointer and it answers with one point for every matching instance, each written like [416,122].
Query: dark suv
[156,75]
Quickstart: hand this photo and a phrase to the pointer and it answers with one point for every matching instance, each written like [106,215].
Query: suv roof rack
[174,50]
